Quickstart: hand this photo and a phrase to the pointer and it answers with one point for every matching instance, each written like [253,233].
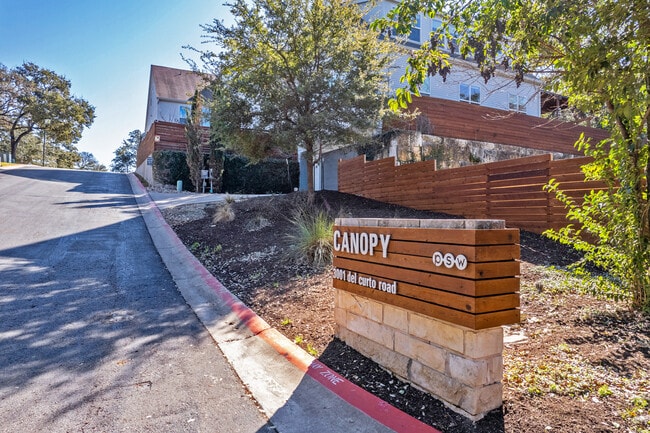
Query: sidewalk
[297,392]
[166,200]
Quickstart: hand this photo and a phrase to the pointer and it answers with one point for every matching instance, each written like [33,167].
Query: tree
[195,137]
[64,155]
[33,149]
[30,151]
[126,154]
[87,161]
[295,73]
[596,52]
[36,99]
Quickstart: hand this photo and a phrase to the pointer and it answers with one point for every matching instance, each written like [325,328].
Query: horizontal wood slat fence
[511,190]
[171,136]
[475,122]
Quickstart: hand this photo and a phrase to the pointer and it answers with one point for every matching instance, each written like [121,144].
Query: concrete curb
[296,391]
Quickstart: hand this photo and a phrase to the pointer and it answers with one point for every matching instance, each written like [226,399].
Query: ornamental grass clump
[225,213]
[311,238]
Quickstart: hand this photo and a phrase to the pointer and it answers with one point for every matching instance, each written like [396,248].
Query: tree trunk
[14,145]
[310,180]
[216,163]
[309,158]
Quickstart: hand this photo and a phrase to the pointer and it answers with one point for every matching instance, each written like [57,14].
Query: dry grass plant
[224,213]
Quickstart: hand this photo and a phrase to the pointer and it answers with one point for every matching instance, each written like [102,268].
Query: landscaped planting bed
[576,363]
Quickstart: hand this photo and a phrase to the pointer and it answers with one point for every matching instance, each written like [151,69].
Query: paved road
[94,335]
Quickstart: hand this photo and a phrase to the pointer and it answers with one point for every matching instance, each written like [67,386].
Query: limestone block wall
[460,366]
[413,146]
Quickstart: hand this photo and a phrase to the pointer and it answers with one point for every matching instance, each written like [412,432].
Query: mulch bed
[582,366]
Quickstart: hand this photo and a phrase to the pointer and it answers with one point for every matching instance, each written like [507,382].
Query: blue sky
[105,48]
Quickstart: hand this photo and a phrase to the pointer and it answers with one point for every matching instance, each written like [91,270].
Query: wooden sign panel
[466,276]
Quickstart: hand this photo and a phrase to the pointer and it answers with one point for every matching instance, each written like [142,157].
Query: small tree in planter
[195,136]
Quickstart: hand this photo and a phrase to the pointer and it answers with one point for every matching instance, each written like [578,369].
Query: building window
[205,118]
[415,30]
[184,114]
[186,110]
[445,40]
[471,94]
[517,103]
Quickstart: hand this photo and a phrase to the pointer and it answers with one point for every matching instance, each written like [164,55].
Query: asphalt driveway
[94,335]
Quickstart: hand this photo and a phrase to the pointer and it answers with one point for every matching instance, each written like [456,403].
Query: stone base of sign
[460,366]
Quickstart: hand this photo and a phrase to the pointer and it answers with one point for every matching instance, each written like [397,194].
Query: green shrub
[267,176]
[311,239]
[611,227]
[169,167]
[239,176]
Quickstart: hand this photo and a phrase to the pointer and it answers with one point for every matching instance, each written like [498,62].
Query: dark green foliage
[267,176]
[295,73]
[239,176]
[215,163]
[375,146]
[36,100]
[87,161]
[126,154]
[169,167]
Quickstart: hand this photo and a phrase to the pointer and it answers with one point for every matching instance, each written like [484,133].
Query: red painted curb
[356,396]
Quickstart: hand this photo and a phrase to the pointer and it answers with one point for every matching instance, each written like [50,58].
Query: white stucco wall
[494,94]
[152,106]
[146,171]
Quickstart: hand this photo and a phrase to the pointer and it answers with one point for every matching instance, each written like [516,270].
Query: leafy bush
[612,227]
[239,176]
[267,176]
[311,239]
[169,167]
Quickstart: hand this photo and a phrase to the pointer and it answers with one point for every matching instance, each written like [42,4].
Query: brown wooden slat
[435,235]
[432,310]
[465,121]
[473,254]
[458,285]
[463,303]
[493,269]
[513,211]
[466,191]
[459,317]
[497,318]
